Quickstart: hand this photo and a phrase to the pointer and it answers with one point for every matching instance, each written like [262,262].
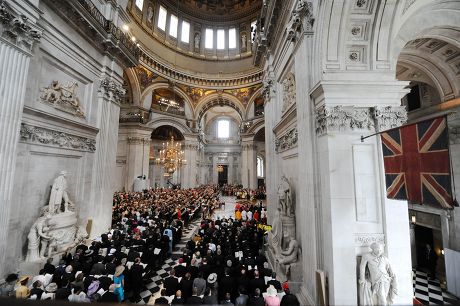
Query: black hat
[11,277]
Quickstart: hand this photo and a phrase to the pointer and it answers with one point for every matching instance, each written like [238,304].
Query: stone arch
[178,90]
[134,85]
[167,120]
[216,99]
[256,126]
[257,94]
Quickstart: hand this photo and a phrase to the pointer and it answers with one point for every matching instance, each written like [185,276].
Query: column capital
[18,29]
[138,140]
[111,90]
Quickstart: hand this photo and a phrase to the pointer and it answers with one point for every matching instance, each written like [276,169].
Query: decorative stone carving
[56,229]
[301,19]
[289,95]
[63,97]
[17,28]
[366,239]
[39,135]
[138,140]
[268,88]
[343,118]
[377,281]
[454,134]
[388,117]
[112,90]
[286,141]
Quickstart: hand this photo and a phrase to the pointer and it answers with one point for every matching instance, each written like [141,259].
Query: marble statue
[59,193]
[197,41]
[244,41]
[150,14]
[289,94]
[376,278]
[38,234]
[285,197]
[276,233]
[63,97]
[288,257]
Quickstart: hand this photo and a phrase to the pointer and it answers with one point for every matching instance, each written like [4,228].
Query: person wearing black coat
[289,299]
[109,296]
[171,283]
[186,286]
[194,299]
[162,300]
[227,284]
[136,277]
[256,299]
[257,282]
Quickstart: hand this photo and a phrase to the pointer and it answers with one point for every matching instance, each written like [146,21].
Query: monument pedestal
[63,229]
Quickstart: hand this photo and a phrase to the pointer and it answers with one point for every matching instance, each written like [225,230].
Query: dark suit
[186,286]
[256,301]
[257,283]
[171,284]
[227,284]
[161,301]
[194,300]
[108,297]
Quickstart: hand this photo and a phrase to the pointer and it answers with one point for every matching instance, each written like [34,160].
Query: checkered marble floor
[154,284]
[429,292]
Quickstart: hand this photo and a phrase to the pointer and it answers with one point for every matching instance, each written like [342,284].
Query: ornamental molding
[268,88]
[139,140]
[366,239]
[343,118]
[112,90]
[289,95]
[18,29]
[454,134]
[63,97]
[388,117]
[40,135]
[287,141]
[301,20]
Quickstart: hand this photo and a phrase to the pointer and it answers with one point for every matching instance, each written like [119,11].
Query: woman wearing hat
[50,292]
[22,292]
[272,299]
[119,281]
[7,289]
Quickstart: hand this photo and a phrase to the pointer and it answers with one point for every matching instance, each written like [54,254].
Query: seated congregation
[222,263]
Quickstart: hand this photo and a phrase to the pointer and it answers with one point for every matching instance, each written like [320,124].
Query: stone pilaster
[103,184]
[189,179]
[18,35]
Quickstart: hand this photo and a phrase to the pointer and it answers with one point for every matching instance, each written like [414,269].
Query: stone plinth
[63,229]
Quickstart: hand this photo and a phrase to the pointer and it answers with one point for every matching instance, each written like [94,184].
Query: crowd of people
[221,264]
[243,193]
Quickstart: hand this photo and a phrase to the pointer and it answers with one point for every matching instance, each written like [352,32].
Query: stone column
[230,168]
[354,207]
[214,174]
[190,170]
[249,164]
[18,34]
[138,156]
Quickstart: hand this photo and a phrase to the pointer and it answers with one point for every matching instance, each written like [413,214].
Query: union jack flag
[417,163]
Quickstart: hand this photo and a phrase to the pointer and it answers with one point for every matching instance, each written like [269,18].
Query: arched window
[223,129]
[260,167]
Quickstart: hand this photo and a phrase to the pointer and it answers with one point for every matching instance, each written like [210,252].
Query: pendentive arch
[217,99]
[176,123]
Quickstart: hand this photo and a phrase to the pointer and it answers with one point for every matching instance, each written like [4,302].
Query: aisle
[154,285]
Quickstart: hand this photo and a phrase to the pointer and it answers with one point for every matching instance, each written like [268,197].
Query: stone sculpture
[244,41]
[59,193]
[197,41]
[289,95]
[376,278]
[63,97]
[150,14]
[56,229]
[285,197]
[38,234]
[288,257]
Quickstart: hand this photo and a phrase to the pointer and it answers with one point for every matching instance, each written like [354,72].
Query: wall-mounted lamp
[413,219]
[442,251]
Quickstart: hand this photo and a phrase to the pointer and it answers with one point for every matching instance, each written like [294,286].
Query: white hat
[271,291]
[212,278]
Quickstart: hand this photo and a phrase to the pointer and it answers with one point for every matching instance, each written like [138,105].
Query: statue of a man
[285,197]
[37,234]
[383,286]
[288,257]
[59,193]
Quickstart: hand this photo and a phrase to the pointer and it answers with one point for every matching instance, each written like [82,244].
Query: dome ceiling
[223,10]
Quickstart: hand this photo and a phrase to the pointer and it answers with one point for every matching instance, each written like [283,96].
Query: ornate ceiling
[223,10]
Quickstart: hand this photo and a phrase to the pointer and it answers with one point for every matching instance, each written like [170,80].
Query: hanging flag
[417,163]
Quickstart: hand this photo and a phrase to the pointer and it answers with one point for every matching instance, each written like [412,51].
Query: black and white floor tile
[154,284]
[429,292]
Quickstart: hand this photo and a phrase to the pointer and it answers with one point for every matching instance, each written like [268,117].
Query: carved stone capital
[454,134]
[112,90]
[40,135]
[301,20]
[287,141]
[343,118]
[388,117]
[139,140]
[18,29]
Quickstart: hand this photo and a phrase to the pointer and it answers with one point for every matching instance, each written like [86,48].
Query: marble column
[230,169]
[190,170]
[138,156]
[354,207]
[214,174]
[18,34]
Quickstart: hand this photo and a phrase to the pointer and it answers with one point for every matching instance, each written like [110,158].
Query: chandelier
[171,157]
[220,168]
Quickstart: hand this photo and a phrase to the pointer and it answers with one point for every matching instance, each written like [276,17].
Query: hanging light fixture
[220,168]
[171,157]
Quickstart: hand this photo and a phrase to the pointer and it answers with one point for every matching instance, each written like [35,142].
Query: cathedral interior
[105,103]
